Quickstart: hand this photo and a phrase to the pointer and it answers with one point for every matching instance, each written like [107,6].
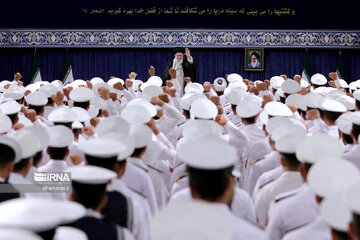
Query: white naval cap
[14,94]
[39,214]
[125,140]
[41,134]
[142,102]
[81,94]
[141,134]
[276,82]
[113,81]
[248,107]
[332,105]
[155,80]
[336,93]
[290,86]
[194,87]
[296,100]
[101,147]
[203,109]
[356,95]
[234,96]
[355,118]
[63,115]
[76,83]
[277,109]
[10,107]
[263,117]
[30,144]
[332,176]
[112,124]
[96,80]
[287,143]
[236,84]
[344,123]
[60,136]
[77,125]
[312,149]
[92,175]
[288,128]
[197,128]
[352,197]
[97,86]
[324,91]
[17,233]
[352,86]
[66,233]
[312,99]
[152,90]
[37,99]
[98,102]
[13,144]
[208,152]
[276,122]
[49,90]
[336,213]
[279,93]
[304,83]
[188,98]
[134,113]
[5,124]
[343,83]
[220,84]
[81,114]
[234,77]
[189,220]
[347,101]
[318,79]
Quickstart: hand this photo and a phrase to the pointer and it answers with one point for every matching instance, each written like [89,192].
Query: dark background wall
[212,63]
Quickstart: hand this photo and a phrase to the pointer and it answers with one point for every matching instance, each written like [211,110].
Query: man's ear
[104,201]
[352,233]
[72,198]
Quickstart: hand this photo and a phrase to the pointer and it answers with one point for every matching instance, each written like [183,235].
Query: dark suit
[188,68]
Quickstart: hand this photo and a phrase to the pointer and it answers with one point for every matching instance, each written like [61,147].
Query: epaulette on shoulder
[137,192]
[255,161]
[295,228]
[181,177]
[284,196]
[266,183]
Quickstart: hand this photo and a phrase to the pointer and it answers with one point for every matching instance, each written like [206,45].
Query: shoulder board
[154,168]
[255,161]
[181,123]
[137,192]
[284,196]
[266,183]
[178,178]
[145,170]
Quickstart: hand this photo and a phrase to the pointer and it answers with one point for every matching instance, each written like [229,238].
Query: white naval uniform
[253,133]
[353,155]
[292,211]
[242,229]
[270,161]
[139,180]
[141,212]
[241,204]
[266,178]
[333,131]
[318,230]
[289,180]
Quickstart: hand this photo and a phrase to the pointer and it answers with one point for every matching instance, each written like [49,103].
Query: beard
[179,61]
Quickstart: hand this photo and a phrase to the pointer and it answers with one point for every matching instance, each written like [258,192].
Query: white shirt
[141,218]
[353,155]
[241,204]
[242,230]
[266,178]
[253,133]
[289,180]
[287,214]
[318,230]
[139,180]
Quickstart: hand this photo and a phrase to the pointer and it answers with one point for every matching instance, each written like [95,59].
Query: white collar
[92,213]
[138,162]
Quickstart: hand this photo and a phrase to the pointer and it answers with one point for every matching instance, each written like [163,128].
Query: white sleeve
[273,229]
[111,107]
[177,85]
[140,224]
[176,102]
[128,95]
[172,112]
[260,208]
[190,60]
[127,234]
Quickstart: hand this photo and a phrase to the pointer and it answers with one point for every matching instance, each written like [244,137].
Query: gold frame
[247,50]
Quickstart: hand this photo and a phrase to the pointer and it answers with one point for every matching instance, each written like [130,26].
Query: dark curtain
[211,63]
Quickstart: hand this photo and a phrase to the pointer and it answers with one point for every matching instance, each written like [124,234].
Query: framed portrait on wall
[254,59]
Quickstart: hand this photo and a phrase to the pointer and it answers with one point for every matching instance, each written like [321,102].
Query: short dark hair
[186,113]
[13,118]
[356,224]
[250,120]
[233,107]
[57,152]
[137,151]
[348,139]
[108,162]
[290,160]
[22,164]
[84,105]
[76,132]
[332,116]
[37,158]
[340,235]
[66,124]
[38,109]
[282,99]
[356,130]
[257,55]
[50,101]
[88,195]
[7,155]
[209,184]
[357,102]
